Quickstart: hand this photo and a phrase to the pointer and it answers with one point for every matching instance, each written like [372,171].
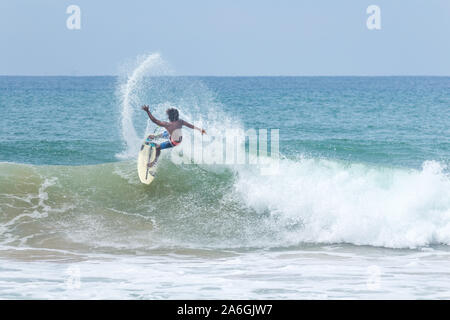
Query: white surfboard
[146,155]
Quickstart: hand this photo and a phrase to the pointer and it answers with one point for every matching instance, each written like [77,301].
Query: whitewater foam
[353,203]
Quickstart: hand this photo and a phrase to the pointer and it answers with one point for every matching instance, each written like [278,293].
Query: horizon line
[224,76]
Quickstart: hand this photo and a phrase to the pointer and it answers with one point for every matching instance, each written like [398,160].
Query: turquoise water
[398,121]
[359,208]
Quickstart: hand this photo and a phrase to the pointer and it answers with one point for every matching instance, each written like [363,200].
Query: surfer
[173,130]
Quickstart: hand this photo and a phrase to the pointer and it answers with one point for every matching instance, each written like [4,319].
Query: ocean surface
[359,206]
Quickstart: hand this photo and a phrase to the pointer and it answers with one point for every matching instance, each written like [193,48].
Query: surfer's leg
[159,147]
[165,145]
[158,152]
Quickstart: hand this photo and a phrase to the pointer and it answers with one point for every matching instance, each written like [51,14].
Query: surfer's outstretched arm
[187,124]
[154,120]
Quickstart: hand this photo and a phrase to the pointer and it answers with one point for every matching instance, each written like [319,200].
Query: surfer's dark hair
[172,113]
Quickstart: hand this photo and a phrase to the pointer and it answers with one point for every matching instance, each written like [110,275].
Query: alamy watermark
[73,278]
[374,20]
[73,22]
[259,147]
[373,281]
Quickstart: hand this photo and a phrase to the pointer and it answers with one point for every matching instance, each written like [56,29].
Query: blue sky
[227,37]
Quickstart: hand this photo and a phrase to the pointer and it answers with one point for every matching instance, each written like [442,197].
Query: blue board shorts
[166,144]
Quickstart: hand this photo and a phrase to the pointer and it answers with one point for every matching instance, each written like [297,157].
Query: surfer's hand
[145,108]
[203,131]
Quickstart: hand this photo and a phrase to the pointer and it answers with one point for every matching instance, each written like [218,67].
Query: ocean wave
[104,207]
